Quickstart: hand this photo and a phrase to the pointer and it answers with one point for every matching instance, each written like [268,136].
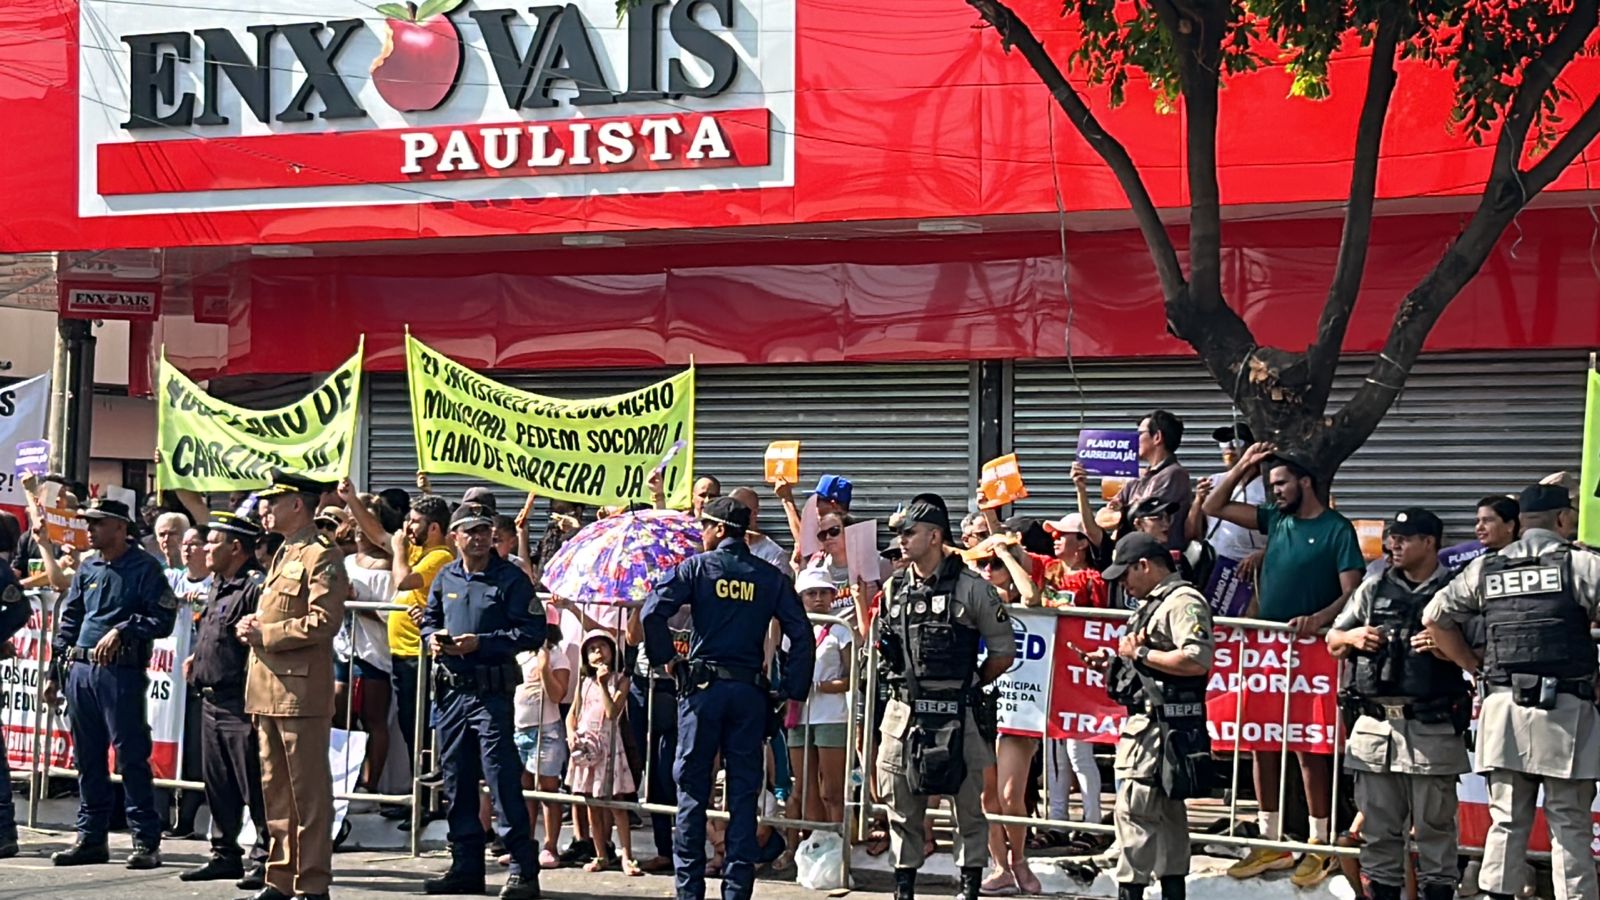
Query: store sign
[246,104]
[110,301]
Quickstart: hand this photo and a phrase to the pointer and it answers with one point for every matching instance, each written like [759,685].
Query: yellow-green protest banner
[208,445]
[600,452]
[1589,482]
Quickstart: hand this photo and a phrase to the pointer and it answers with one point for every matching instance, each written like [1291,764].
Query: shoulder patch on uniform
[168,600]
[12,594]
[1000,614]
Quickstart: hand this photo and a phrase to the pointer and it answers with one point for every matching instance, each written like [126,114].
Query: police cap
[728,512]
[1545,497]
[482,496]
[101,508]
[1150,507]
[286,482]
[928,509]
[1413,521]
[231,523]
[469,516]
[1130,550]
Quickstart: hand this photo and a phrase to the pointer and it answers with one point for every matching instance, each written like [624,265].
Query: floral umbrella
[619,559]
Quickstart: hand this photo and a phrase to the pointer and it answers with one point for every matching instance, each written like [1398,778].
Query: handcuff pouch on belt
[493,679]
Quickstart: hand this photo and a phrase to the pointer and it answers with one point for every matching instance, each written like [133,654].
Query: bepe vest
[1533,620]
[938,648]
[1395,670]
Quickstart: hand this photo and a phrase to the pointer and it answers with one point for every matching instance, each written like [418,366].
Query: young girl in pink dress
[599,763]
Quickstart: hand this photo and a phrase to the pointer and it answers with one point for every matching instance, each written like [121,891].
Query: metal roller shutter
[1467,426]
[893,429]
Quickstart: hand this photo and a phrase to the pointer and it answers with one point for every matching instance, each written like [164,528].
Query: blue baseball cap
[836,488]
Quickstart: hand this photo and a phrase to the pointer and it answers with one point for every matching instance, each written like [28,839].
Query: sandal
[1000,884]
[1047,840]
[598,864]
[877,843]
[630,867]
[1027,882]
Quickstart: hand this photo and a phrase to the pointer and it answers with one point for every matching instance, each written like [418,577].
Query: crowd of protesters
[1263,513]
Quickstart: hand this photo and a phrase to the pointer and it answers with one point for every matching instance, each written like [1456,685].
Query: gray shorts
[544,749]
[829,736]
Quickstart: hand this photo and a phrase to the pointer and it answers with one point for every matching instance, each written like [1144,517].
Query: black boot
[1438,892]
[216,868]
[455,881]
[268,893]
[905,884]
[971,882]
[144,856]
[521,887]
[1130,892]
[253,880]
[1377,891]
[1174,887]
[82,854]
[9,846]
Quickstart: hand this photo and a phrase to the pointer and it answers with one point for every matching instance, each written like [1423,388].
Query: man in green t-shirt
[1313,562]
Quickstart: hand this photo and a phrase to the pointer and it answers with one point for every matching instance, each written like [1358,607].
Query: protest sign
[783,462]
[1228,591]
[1022,693]
[22,413]
[861,550]
[1111,487]
[1589,481]
[1273,665]
[810,518]
[1369,532]
[64,526]
[20,713]
[33,458]
[598,452]
[1001,482]
[1455,558]
[1106,452]
[208,445]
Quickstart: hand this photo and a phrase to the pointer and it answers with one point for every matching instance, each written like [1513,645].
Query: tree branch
[1506,193]
[1015,33]
[1349,270]
[1198,32]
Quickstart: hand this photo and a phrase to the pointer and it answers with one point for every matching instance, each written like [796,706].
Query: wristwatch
[1142,654]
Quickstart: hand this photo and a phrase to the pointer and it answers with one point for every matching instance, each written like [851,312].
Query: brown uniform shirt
[301,608]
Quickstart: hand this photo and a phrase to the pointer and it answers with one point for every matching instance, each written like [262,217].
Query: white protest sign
[1022,693]
[861,549]
[22,414]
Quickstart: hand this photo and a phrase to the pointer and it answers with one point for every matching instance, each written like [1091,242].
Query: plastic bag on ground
[818,862]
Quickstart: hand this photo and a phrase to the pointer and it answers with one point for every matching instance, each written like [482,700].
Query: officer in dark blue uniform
[724,701]
[14,612]
[481,613]
[119,603]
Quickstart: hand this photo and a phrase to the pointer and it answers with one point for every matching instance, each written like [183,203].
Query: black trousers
[231,763]
[408,679]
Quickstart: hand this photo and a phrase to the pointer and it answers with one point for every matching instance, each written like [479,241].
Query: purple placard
[1456,558]
[1228,592]
[1114,453]
[33,456]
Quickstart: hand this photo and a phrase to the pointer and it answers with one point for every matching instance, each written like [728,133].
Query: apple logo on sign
[421,55]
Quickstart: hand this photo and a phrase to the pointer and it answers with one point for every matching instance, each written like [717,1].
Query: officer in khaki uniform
[928,629]
[288,688]
[1164,657]
[1406,709]
[1537,724]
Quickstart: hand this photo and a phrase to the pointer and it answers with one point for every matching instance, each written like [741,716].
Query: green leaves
[410,12]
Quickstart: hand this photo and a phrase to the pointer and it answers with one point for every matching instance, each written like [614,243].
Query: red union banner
[1263,666]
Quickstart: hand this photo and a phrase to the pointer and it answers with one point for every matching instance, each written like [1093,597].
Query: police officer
[1408,709]
[288,687]
[733,597]
[230,754]
[1163,754]
[14,612]
[932,619]
[118,605]
[481,613]
[1537,724]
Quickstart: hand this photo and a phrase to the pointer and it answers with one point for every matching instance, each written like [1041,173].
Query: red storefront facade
[879,183]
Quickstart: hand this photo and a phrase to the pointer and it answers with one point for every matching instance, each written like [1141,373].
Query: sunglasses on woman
[827,533]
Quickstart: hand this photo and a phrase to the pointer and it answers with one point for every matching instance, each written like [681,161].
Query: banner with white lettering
[1023,691]
[19,713]
[209,445]
[22,416]
[1262,667]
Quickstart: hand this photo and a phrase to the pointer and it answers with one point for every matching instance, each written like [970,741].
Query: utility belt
[501,678]
[135,655]
[695,676]
[222,694]
[1541,690]
[1457,710]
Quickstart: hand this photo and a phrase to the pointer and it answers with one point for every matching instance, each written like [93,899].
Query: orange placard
[64,526]
[1111,487]
[783,462]
[1370,533]
[1001,482]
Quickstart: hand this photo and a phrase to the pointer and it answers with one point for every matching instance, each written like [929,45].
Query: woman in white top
[541,735]
[362,645]
[817,740]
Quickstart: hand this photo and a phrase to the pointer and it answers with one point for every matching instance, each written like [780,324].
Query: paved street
[357,874]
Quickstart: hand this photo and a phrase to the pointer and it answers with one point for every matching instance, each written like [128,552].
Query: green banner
[1588,503]
[208,445]
[600,452]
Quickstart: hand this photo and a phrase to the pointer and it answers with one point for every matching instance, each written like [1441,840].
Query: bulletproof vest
[1395,670]
[937,647]
[1533,621]
[1182,698]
